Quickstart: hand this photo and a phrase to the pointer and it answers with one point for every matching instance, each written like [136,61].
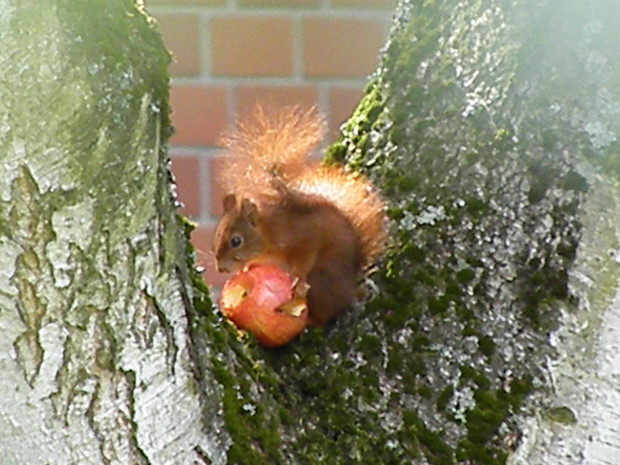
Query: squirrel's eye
[235,241]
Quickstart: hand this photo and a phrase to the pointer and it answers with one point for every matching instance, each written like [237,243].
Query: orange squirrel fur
[320,223]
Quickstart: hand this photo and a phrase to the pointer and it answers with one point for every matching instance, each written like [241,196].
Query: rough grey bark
[493,127]
[94,344]
[489,335]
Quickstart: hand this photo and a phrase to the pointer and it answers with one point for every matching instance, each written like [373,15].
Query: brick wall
[231,54]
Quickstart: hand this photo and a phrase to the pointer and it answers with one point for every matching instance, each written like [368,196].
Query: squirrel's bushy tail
[356,198]
[272,149]
[269,145]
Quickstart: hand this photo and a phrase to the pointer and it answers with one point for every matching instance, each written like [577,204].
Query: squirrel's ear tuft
[250,211]
[229,202]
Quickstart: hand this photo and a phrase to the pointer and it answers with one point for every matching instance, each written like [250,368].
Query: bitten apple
[262,300]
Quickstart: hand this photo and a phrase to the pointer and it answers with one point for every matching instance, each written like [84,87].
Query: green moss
[454,288]
[395,362]
[476,207]
[370,344]
[486,345]
[436,451]
[575,182]
[469,373]
[563,415]
[465,275]
[541,180]
[484,419]
[444,397]
[254,430]
[420,342]
[480,455]
[520,388]
[482,424]
[466,315]
[336,153]
[438,305]
[424,391]
[610,160]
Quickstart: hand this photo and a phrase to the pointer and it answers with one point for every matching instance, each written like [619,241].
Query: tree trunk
[95,349]
[493,128]
[490,334]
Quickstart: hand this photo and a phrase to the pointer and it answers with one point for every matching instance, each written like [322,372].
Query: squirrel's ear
[229,202]
[250,211]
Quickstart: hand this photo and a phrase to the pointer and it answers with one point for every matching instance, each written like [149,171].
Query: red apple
[262,300]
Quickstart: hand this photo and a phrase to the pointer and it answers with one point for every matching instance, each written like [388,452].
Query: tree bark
[95,348]
[489,335]
[493,128]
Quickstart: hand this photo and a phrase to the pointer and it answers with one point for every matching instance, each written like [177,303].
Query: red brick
[202,239]
[341,47]
[248,97]
[186,170]
[215,194]
[251,46]
[182,37]
[342,102]
[199,114]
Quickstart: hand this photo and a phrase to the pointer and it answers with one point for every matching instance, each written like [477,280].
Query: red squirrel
[321,224]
